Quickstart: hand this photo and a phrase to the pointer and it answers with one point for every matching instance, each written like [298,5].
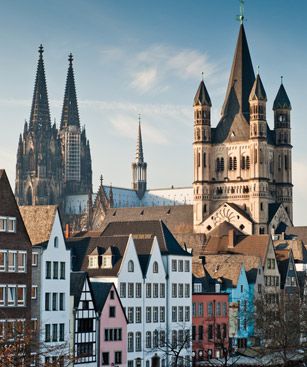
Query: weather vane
[240,17]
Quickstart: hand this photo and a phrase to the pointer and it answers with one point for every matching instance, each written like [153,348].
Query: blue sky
[142,56]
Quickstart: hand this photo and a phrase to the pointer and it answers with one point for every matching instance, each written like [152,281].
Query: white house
[51,272]
[153,276]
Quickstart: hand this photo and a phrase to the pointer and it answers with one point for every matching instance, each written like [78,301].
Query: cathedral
[242,167]
[52,163]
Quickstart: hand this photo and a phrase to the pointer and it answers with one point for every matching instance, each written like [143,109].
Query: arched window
[243,166]
[56,242]
[222,164]
[155,339]
[247,162]
[230,164]
[155,267]
[234,163]
[130,266]
[286,163]
[148,339]
[130,342]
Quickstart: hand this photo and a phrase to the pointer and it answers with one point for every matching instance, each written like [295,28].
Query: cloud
[145,80]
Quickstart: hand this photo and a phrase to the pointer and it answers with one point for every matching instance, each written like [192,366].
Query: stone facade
[51,162]
[242,161]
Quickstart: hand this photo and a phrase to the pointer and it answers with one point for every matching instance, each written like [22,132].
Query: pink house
[112,349]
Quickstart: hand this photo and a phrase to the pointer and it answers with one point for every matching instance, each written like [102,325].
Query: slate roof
[178,218]
[282,100]
[258,91]
[202,96]
[273,207]
[298,231]
[101,291]
[299,251]
[77,280]
[38,220]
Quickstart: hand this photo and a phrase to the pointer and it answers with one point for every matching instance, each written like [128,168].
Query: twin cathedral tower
[242,168]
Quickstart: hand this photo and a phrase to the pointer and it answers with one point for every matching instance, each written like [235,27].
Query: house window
[187,266]
[130,342]
[62,329]
[122,290]
[138,341]
[54,332]
[2,295]
[11,295]
[162,290]
[180,265]
[11,224]
[174,265]
[187,313]
[3,260]
[56,242]
[34,292]
[200,332]
[2,224]
[62,270]
[174,339]
[130,315]
[174,290]
[118,357]
[200,309]
[93,262]
[180,290]
[138,315]
[155,267]
[112,312]
[55,270]
[12,261]
[105,358]
[162,314]
[197,287]
[155,312]
[148,314]
[210,309]
[54,301]
[130,290]
[107,261]
[155,290]
[210,332]
[180,314]
[112,295]
[187,290]
[48,269]
[148,290]
[130,266]
[162,338]
[22,256]
[148,339]
[47,301]
[61,303]
[174,314]
[155,339]
[224,309]
[47,333]
[34,258]
[138,290]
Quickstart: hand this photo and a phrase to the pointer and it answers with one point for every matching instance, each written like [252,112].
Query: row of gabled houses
[122,297]
[130,295]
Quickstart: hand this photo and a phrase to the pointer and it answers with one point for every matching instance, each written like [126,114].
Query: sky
[146,57]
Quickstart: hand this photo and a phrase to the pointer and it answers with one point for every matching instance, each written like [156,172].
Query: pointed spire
[40,114]
[70,113]
[202,96]
[282,100]
[139,157]
[258,92]
[241,79]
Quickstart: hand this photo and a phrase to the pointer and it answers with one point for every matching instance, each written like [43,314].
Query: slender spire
[70,113]
[139,157]
[202,96]
[282,100]
[40,114]
[258,91]
[241,80]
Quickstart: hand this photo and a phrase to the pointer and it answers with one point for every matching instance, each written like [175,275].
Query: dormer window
[56,242]
[93,262]
[155,267]
[106,261]
[130,266]
[197,287]
[8,224]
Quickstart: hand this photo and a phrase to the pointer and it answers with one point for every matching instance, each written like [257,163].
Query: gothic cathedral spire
[40,114]
[139,167]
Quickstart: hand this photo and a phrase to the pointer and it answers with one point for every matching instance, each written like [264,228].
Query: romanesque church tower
[39,163]
[52,163]
[242,168]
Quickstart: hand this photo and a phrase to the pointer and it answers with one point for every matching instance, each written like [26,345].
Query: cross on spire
[241,17]
[101,180]
[70,59]
[281,79]
[202,76]
[40,50]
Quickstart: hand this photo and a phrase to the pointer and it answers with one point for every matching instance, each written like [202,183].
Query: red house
[210,337]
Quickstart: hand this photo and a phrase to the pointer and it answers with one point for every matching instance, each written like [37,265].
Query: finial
[41,50]
[281,79]
[139,119]
[202,76]
[70,59]
[240,17]
[101,180]
[258,68]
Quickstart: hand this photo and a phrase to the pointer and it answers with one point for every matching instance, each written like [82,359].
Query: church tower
[283,164]
[139,167]
[38,168]
[77,169]
[242,168]
[202,151]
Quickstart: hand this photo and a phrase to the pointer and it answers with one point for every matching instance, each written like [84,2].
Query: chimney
[231,238]
[67,231]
